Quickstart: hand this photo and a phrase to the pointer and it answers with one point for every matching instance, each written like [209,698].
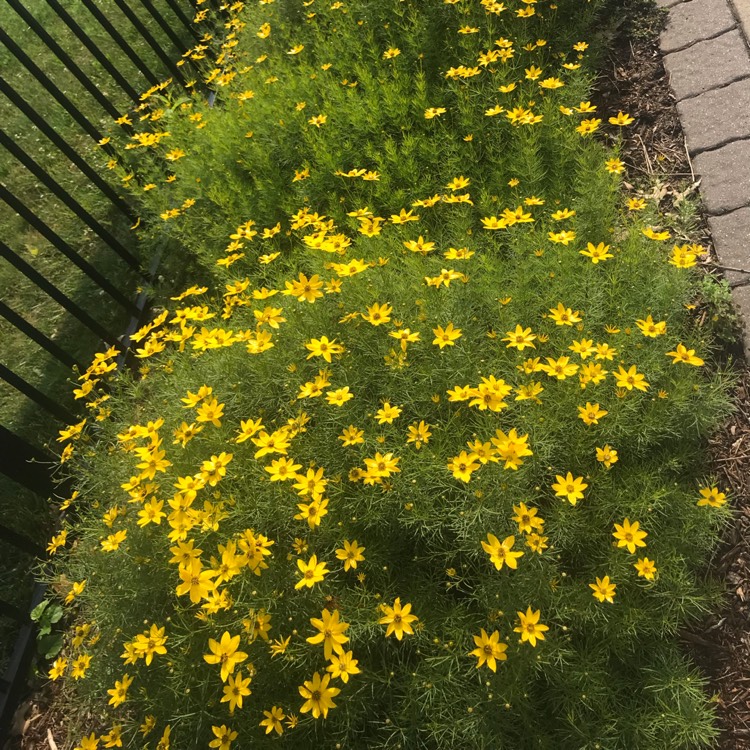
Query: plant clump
[417,460]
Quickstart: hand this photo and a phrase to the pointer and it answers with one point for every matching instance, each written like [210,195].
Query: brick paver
[694,21]
[716,117]
[708,64]
[731,236]
[725,177]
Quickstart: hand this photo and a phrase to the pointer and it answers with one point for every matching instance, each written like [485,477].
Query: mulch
[655,154]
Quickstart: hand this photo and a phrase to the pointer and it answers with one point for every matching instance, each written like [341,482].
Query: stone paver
[694,21]
[731,236]
[716,117]
[725,174]
[742,10]
[668,3]
[707,65]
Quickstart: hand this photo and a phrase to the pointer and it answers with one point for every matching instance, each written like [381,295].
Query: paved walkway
[707,58]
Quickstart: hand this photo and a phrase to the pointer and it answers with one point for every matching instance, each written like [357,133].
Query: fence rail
[154,38]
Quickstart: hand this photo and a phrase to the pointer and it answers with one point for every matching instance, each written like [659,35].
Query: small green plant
[46,614]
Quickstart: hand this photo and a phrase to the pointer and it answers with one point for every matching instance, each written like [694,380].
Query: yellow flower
[387,413]
[318,696]
[433,112]
[489,650]
[273,720]
[597,253]
[591,413]
[621,119]
[604,590]
[342,665]
[569,487]
[283,469]
[607,455]
[224,737]
[446,336]
[398,619]
[629,535]
[419,434]
[351,554]
[712,497]
[630,379]
[529,627]
[686,356]
[352,435]
[520,338]
[119,693]
[501,553]
[237,688]
[463,465]
[331,633]
[312,572]
[225,653]
[564,316]
[646,568]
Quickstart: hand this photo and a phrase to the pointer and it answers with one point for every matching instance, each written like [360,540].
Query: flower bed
[417,461]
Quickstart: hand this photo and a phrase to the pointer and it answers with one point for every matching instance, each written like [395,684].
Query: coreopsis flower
[604,589]
[591,413]
[652,234]
[223,737]
[398,618]
[378,314]
[621,119]
[432,112]
[569,488]
[312,572]
[343,665]
[331,633]
[305,289]
[520,338]
[418,434]
[650,328]
[597,253]
[283,469]
[195,581]
[311,484]
[685,356]
[352,435]
[339,396]
[527,519]
[351,553]
[237,688]
[446,336]
[225,653]
[564,316]
[489,650]
[88,743]
[323,347]
[646,568]
[712,497]
[636,204]
[463,465]
[630,379]
[529,627]
[57,670]
[79,665]
[629,535]
[501,553]
[614,166]
[607,455]
[272,722]
[119,693]
[318,696]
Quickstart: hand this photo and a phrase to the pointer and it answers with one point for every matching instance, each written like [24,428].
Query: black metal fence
[153,38]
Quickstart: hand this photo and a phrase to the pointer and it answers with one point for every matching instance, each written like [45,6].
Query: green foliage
[426,490]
